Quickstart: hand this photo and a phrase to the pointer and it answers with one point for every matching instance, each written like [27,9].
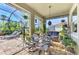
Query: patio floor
[10,46]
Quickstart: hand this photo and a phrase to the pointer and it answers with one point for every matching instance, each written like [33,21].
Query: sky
[7,10]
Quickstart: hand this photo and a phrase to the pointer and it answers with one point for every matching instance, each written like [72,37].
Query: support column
[70,23]
[70,17]
[32,24]
[78,22]
[41,25]
[44,26]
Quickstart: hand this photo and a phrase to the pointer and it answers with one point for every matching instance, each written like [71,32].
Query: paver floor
[8,47]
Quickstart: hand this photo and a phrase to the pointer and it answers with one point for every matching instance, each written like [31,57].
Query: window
[37,24]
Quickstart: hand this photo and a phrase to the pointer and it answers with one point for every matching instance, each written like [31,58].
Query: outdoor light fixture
[49,23]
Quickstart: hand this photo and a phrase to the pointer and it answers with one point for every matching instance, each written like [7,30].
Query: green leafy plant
[69,41]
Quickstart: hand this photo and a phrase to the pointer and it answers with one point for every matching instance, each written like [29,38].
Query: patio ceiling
[57,9]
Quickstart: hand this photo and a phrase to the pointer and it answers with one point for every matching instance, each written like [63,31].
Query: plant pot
[71,49]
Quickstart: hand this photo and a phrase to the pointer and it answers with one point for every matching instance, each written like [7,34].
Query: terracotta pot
[70,49]
[55,39]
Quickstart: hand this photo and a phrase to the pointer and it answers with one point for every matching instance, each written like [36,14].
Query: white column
[78,22]
[44,25]
[32,24]
[70,22]
[70,16]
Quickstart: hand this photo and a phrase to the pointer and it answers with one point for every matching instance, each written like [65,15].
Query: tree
[9,20]
[3,17]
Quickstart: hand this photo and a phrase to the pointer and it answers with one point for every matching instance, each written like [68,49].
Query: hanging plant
[25,17]
[62,21]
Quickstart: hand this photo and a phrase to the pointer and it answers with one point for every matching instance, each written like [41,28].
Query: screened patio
[37,29]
